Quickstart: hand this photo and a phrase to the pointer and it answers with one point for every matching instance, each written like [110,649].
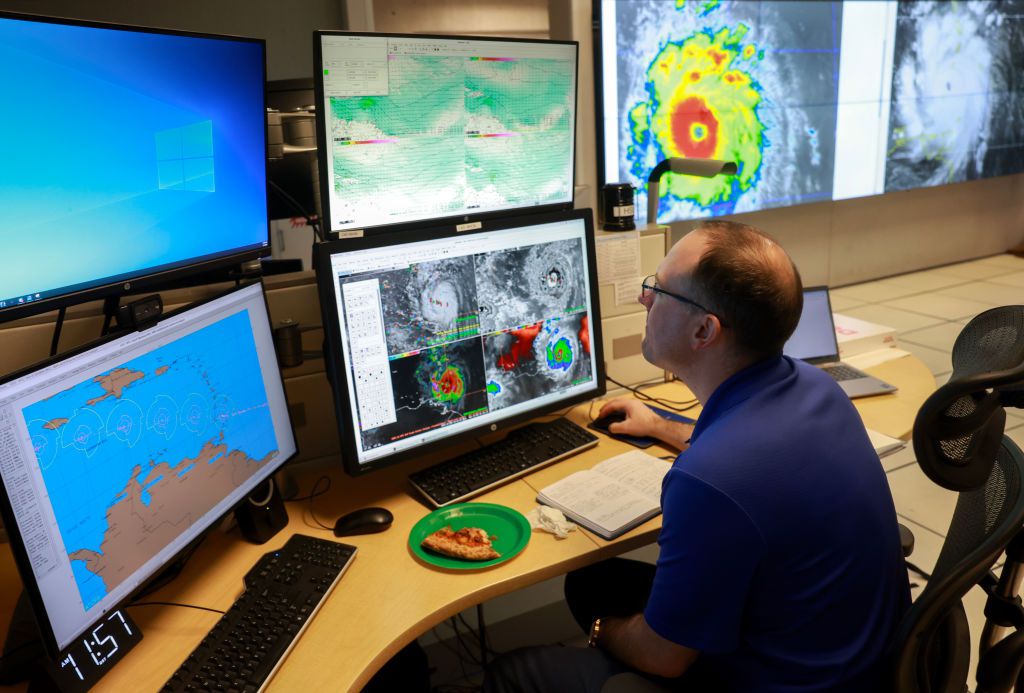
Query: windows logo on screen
[184,158]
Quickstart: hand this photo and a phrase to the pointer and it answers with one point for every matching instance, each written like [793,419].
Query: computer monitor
[117,456]
[414,128]
[131,157]
[434,336]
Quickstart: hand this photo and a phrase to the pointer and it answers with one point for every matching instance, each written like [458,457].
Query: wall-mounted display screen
[813,100]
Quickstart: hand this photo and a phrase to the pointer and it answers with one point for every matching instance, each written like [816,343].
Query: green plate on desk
[509,528]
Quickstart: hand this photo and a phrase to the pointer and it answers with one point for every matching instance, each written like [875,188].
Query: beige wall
[522,18]
[286,26]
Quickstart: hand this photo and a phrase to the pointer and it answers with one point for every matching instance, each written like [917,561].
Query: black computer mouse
[602,423]
[363,521]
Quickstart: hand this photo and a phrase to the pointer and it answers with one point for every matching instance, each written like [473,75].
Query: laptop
[814,341]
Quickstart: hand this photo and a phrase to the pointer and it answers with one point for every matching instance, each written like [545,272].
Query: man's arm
[641,421]
[634,643]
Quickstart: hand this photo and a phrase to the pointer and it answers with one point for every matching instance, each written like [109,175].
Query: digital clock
[83,663]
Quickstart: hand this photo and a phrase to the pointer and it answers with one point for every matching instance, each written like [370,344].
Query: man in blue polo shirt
[780,565]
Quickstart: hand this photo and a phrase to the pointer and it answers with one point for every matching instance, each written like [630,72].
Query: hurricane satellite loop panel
[415,128]
[435,335]
[813,100]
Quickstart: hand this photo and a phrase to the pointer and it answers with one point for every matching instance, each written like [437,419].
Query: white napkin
[550,520]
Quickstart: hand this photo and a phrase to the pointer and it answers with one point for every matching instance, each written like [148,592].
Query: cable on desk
[313,494]
[684,405]
[187,606]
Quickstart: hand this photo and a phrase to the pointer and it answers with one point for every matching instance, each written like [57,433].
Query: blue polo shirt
[780,552]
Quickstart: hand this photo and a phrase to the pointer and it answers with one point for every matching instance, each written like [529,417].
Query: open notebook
[612,497]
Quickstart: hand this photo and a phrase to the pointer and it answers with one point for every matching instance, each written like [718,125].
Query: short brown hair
[740,279]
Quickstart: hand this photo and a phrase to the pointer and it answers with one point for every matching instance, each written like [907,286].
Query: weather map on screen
[443,335]
[423,128]
[812,100]
[745,82]
[132,456]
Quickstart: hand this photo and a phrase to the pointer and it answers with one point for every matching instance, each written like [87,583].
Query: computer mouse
[602,423]
[363,521]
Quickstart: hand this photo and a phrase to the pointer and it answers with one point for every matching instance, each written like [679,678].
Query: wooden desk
[388,598]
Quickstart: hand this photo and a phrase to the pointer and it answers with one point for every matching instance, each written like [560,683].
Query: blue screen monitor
[416,127]
[131,157]
[114,458]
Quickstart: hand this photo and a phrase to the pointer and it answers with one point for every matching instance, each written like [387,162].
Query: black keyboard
[521,452]
[282,593]
[843,372]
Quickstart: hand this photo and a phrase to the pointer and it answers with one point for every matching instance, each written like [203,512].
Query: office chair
[959,442]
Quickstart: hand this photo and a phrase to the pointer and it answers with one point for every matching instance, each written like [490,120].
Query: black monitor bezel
[152,278]
[321,136]
[337,370]
[17,544]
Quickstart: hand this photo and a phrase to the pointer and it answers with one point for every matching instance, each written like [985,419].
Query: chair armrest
[999,668]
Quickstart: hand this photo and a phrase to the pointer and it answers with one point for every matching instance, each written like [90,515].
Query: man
[780,565]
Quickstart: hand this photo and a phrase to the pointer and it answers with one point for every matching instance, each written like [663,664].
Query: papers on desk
[612,497]
[870,359]
[884,444]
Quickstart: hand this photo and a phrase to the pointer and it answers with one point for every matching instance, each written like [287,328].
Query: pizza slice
[468,543]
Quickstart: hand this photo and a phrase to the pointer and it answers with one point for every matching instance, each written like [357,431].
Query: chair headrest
[958,429]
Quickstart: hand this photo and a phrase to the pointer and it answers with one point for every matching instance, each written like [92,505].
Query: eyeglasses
[650,285]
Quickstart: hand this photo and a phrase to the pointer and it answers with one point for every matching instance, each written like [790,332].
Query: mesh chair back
[959,443]
[958,429]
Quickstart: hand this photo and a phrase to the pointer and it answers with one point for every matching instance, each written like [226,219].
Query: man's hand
[641,421]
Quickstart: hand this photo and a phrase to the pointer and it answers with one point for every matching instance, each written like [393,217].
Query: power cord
[313,223]
[313,494]
[678,406]
[186,606]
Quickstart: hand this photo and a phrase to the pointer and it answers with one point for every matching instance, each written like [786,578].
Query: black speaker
[262,514]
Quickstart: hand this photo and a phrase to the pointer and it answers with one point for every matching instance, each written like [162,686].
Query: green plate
[509,527]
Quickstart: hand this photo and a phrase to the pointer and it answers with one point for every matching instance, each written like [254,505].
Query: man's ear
[708,332]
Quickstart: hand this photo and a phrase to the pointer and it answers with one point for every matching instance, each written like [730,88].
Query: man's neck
[705,376]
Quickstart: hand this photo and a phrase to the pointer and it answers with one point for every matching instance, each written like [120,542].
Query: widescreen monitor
[813,100]
[434,336]
[131,157]
[116,457]
[413,128]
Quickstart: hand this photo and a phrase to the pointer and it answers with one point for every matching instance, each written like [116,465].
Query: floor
[928,309]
